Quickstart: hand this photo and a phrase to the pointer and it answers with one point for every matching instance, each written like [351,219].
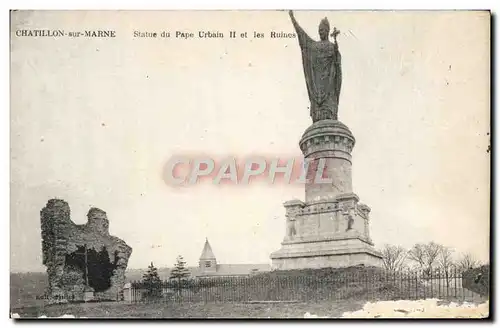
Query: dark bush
[477,280]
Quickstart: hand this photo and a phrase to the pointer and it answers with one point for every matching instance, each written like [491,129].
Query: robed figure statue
[322,70]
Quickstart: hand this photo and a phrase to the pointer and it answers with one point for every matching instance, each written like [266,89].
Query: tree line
[428,258]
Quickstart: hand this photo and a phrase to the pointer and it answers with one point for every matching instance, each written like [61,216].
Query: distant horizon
[160,267]
[189,266]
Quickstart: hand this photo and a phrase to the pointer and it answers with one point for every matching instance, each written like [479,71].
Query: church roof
[207,253]
[233,270]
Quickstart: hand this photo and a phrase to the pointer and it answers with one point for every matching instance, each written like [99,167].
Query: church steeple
[208,263]
[207,253]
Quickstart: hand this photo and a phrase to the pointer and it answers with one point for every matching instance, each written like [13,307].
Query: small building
[208,266]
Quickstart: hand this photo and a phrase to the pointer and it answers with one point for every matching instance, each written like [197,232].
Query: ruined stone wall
[64,244]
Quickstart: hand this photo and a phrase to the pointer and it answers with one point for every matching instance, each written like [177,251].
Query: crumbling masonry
[81,258]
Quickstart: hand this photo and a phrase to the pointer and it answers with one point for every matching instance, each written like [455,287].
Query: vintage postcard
[250,164]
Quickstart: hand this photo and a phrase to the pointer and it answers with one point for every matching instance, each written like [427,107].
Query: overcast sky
[94,121]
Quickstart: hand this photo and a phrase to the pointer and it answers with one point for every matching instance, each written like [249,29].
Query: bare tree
[446,265]
[467,261]
[417,255]
[394,258]
[425,255]
[432,251]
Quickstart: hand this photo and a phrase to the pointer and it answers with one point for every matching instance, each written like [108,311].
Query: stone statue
[350,222]
[322,69]
[290,227]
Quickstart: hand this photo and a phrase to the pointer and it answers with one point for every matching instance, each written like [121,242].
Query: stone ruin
[82,259]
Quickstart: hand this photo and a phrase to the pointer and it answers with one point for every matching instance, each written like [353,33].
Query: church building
[208,266]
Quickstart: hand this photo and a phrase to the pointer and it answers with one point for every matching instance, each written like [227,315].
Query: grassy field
[323,292]
[26,287]
[193,310]
[203,310]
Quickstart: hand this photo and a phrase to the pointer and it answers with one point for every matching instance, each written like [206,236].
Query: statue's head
[324,29]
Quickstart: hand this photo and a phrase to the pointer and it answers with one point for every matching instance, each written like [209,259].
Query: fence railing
[280,286]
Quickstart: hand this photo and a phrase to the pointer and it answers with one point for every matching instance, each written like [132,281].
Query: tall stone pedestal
[331,228]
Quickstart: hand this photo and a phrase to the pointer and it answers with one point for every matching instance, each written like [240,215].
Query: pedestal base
[331,228]
[323,254]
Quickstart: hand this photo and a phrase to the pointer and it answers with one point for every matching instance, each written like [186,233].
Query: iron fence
[280,286]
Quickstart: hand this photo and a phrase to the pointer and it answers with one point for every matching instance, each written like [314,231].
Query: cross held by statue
[335,32]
